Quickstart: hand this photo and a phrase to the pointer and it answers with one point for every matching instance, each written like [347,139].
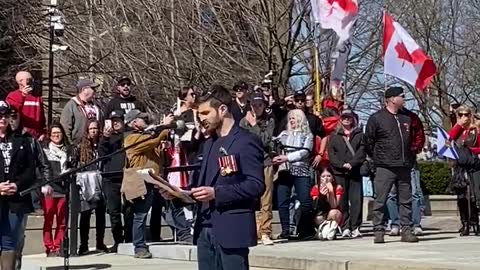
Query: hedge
[435,177]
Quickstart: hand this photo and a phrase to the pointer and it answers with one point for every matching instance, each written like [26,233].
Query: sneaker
[37,213]
[347,233]
[395,231]
[102,248]
[142,253]
[408,236]
[266,240]
[417,231]
[379,237]
[282,236]
[83,250]
[356,233]
[52,254]
[113,249]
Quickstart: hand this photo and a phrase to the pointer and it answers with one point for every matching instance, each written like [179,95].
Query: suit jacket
[233,210]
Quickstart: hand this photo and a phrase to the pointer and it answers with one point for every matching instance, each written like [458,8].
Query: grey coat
[74,121]
[264,130]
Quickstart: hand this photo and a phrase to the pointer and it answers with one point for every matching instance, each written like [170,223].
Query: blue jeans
[212,256]
[11,228]
[417,202]
[21,243]
[140,212]
[302,190]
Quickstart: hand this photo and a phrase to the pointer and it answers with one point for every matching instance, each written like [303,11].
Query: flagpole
[317,75]
[384,74]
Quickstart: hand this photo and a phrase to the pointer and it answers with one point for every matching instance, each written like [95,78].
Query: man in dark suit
[230,182]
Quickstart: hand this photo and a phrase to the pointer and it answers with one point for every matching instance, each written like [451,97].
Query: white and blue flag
[445,147]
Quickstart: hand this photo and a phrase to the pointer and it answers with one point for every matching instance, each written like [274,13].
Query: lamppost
[56,29]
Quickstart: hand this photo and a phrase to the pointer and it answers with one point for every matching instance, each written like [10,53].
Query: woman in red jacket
[466,134]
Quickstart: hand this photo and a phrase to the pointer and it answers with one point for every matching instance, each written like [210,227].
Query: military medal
[227,163]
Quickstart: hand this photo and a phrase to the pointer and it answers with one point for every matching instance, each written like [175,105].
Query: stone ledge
[189,253]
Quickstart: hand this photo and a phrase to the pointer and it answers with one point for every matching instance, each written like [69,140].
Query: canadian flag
[338,15]
[403,58]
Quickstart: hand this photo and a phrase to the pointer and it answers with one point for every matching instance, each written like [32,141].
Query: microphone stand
[282,146]
[68,177]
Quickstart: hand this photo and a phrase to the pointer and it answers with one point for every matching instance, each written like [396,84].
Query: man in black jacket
[113,168]
[124,100]
[20,157]
[389,143]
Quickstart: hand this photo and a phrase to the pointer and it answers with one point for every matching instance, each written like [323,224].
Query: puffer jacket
[389,139]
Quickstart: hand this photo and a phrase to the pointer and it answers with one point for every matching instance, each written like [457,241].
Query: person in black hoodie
[124,100]
[346,150]
[112,181]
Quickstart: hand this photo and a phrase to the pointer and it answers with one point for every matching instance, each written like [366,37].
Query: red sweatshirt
[31,112]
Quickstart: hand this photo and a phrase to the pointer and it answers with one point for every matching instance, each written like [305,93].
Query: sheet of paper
[147,175]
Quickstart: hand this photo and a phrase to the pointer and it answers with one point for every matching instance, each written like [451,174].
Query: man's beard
[211,127]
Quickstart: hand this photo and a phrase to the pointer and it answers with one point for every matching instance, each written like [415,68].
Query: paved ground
[440,249]
[107,261]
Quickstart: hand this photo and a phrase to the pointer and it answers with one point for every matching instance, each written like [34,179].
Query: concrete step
[435,205]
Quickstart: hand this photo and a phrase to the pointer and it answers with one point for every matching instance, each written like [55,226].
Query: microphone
[177,125]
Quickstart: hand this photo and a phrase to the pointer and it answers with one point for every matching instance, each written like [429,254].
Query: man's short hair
[216,95]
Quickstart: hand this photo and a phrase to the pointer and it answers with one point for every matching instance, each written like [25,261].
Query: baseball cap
[240,85]
[257,98]
[348,112]
[394,91]
[124,79]
[84,83]
[116,114]
[299,95]
[134,114]
[4,108]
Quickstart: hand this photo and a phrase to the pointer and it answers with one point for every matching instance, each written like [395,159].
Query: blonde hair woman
[297,141]
[466,134]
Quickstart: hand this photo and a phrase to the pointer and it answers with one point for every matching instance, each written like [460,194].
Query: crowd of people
[270,152]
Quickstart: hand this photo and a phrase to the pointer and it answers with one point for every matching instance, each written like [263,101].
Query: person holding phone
[327,195]
[29,104]
[112,141]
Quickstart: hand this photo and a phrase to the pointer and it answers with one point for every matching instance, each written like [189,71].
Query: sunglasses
[300,100]
[125,84]
[464,114]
